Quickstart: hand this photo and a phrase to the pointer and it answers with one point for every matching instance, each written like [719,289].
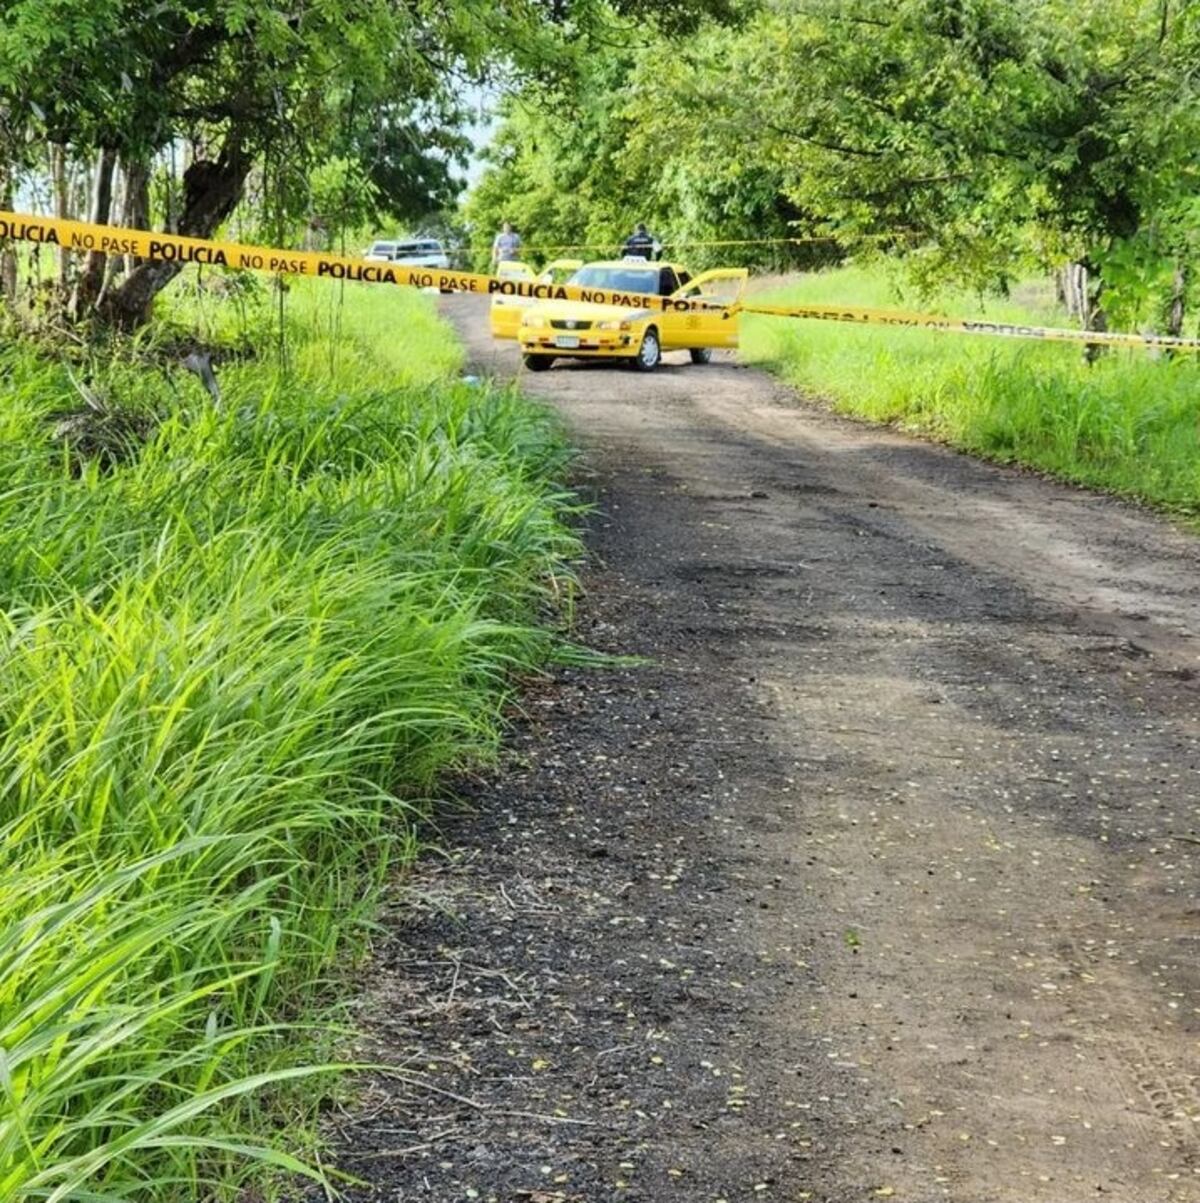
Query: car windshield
[382,248]
[617,278]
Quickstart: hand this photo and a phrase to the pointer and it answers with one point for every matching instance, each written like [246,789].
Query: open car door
[723,287]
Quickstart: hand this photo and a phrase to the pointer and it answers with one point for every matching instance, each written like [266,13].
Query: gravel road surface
[878,880]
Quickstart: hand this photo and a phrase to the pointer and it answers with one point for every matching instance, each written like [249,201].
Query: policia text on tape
[115,240]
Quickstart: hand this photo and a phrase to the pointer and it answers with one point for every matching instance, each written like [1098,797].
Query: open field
[1126,423]
[241,648]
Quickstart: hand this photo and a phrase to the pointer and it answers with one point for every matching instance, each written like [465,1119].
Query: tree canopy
[976,136]
[273,88]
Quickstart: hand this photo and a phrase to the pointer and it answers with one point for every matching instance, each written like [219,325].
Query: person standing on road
[506,244]
[641,244]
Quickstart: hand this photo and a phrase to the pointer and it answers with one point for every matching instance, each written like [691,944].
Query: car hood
[586,311]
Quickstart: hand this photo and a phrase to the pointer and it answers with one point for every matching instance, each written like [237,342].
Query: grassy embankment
[1127,423]
[234,667]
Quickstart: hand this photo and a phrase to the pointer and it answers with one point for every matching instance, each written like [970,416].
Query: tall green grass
[233,669]
[1126,423]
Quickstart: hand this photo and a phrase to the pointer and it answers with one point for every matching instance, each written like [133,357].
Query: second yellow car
[505,315]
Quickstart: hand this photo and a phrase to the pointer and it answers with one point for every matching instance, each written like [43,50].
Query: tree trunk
[62,209]
[8,253]
[1094,316]
[1075,291]
[113,264]
[211,191]
[136,212]
[79,189]
[92,277]
[1178,295]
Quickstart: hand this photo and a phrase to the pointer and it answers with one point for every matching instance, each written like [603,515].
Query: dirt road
[879,881]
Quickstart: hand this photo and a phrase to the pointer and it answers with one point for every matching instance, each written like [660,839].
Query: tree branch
[837,147]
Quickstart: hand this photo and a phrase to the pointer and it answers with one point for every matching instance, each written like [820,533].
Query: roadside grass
[368,334]
[1127,423]
[236,661]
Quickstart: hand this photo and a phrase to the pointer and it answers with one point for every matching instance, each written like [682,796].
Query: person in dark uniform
[641,243]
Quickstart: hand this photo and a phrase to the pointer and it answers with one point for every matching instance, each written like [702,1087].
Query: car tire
[649,354]
[538,363]
[701,354]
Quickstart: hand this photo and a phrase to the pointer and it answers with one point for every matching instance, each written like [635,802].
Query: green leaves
[639,136]
[987,133]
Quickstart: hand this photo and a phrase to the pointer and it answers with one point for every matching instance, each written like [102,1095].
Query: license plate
[568,341]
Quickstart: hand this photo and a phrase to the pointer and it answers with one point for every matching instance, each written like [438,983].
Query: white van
[416,252]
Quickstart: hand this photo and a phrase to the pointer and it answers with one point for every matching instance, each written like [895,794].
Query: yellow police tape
[116,240]
[953,325]
[84,236]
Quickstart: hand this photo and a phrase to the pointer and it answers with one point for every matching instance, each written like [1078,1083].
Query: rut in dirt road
[879,880]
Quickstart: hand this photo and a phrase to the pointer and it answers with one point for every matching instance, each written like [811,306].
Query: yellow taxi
[505,315]
[551,330]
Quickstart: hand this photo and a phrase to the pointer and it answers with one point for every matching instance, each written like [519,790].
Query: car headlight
[614,324]
[533,319]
